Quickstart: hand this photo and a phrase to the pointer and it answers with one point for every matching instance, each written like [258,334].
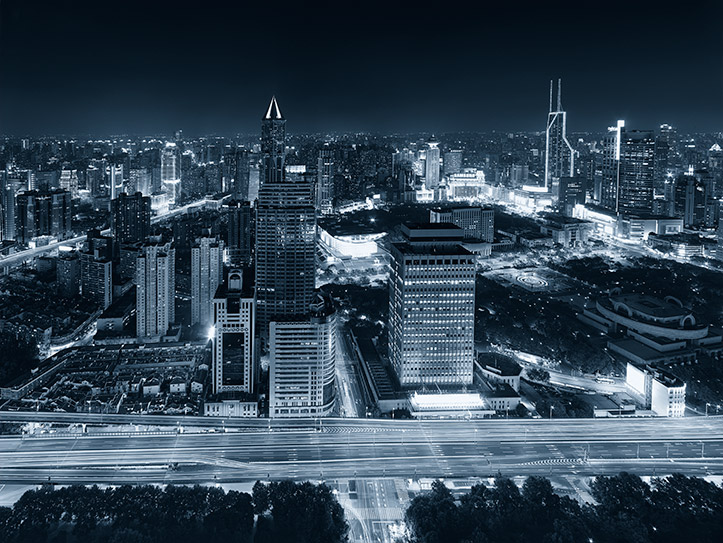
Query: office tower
[452,162]
[476,223]
[302,362]
[273,144]
[431,307]
[325,181]
[67,274]
[96,269]
[7,200]
[610,168]
[669,135]
[170,174]
[559,154]
[206,276]
[234,313]
[285,251]
[636,171]
[693,200]
[660,173]
[155,288]
[69,182]
[242,179]
[130,217]
[285,234]
[115,180]
[571,191]
[42,214]
[628,170]
[431,166]
[240,229]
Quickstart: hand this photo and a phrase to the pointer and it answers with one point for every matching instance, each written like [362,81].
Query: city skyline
[206,74]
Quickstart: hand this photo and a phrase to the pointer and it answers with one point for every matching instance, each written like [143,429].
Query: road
[367,448]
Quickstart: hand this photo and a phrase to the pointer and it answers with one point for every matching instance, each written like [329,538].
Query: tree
[17,357]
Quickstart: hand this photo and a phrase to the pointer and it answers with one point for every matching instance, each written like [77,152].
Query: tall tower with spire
[285,232]
[273,144]
[559,154]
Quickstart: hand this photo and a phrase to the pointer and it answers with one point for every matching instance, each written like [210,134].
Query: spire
[273,112]
[559,95]
[550,95]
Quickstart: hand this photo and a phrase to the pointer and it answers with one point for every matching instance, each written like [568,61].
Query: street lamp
[551,408]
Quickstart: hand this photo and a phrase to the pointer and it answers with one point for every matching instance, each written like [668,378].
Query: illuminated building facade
[431,307]
[559,154]
[302,364]
[234,312]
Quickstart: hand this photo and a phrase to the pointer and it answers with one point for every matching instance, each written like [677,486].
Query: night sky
[210,67]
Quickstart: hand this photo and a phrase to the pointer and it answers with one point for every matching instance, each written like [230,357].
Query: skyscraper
[206,276]
[628,170]
[302,362]
[431,307]
[130,217]
[234,313]
[559,154]
[42,214]
[431,169]
[325,181]
[240,229]
[96,269]
[285,234]
[67,274]
[155,288]
[273,144]
[170,174]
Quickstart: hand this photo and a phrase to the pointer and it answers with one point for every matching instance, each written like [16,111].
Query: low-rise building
[661,391]
[499,369]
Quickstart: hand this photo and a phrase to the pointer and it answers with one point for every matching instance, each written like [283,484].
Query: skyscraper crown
[273,113]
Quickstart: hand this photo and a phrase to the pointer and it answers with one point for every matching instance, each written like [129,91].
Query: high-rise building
[240,230]
[155,288]
[452,162]
[477,223]
[67,274]
[115,180]
[302,363]
[8,204]
[285,234]
[131,217]
[325,181]
[206,276]
[273,144]
[628,170]
[559,154]
[234,313]
[571,191]
[431,307]
[96,269]
[170,173]
[431,167]
[693,200]
[42,214]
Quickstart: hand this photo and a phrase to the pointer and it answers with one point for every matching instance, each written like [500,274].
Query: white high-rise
[206,276]
[559,154]
[155,288]
[234,313]
[303,363]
